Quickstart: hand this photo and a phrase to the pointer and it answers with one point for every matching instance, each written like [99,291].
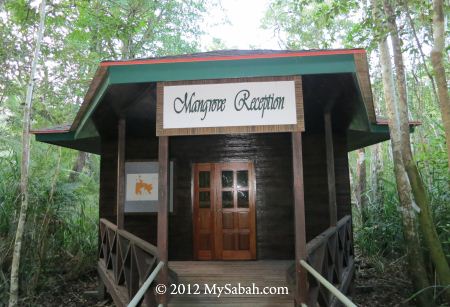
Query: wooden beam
[120,197]
[301,281]
[163,211]
[120,173]
[332,208]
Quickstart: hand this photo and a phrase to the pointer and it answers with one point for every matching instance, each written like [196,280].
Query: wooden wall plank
[330,169]
[343,196]
[108,181]
[315,184]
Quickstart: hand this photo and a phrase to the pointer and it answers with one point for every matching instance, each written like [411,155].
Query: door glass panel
[227,199]
[242,179]
[242,199]
[203,178]
[227,179]
[204,199]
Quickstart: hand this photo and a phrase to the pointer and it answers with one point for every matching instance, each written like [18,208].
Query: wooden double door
[224,211]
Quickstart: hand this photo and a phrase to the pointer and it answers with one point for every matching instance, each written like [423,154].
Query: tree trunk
[412,239]
[78,166]
[376,170]
[416,265]
[361,197]
[14,285]
[438,67]
[427,226]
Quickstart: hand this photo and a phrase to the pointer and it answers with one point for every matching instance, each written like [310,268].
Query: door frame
[216,253]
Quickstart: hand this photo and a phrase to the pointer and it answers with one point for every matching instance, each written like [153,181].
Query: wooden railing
[125,263]
[144,288]
[331,254]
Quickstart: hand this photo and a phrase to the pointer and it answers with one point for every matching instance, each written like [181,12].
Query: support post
[120,196]
[301,281]
[163,211]
[120,173]
[330,169]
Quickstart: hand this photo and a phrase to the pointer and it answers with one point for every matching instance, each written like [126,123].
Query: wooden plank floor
[253,274]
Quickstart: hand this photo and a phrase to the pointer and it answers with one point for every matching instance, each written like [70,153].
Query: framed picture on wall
[141,187]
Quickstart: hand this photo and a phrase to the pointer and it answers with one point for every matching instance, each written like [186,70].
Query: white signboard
[226,106]
[229,104]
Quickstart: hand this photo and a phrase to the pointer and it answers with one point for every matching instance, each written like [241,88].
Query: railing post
[145,255]
[301,281]
[140,294]
[317,247]
[162,244]
[340,296]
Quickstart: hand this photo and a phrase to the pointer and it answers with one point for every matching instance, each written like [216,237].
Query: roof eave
[378,132]
[67,139]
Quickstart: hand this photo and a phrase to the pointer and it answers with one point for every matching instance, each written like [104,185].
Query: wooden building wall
[316,181]
[271,154]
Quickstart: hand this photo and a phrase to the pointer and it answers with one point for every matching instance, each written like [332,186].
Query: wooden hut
[229,167]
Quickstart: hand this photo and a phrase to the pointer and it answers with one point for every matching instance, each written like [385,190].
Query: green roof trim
[232,69]
[92,131]
[68,140]
[377,133]
[360,120]
[374,128]
[55,137]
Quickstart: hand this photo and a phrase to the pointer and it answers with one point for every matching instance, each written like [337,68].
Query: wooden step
[229,302]
[244,275]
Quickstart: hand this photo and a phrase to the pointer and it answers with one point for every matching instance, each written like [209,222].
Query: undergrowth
[60,238]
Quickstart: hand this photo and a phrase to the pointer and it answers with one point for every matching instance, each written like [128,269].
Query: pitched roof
[232,55]
[228,64]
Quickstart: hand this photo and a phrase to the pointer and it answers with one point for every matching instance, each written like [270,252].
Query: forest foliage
[61,232]
[60,241]
[379,232]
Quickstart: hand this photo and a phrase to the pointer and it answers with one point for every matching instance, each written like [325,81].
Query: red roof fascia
[235,57]
[384,122]
[48,131]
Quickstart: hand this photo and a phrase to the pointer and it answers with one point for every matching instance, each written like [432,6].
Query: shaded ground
[382,284]
[75,293]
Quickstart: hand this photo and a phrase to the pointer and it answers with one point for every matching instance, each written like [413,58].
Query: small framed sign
[224,106]
[141,187]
